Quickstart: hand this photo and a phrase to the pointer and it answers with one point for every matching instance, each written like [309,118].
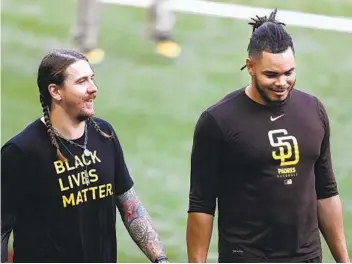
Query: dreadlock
[52,70]
[269,35]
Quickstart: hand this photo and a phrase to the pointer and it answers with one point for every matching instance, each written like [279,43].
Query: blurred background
[154,102]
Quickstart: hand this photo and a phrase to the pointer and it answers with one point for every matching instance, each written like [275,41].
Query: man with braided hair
[64,174]
[262,153]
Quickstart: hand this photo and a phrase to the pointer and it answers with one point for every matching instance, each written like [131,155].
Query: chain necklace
[86,152]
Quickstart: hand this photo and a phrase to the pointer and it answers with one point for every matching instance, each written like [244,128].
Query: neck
[69,127]
[253,94]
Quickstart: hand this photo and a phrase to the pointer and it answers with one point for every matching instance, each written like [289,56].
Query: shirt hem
[282,260]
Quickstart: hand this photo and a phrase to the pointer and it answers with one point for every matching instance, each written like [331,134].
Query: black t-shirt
[266,167]
[58,218]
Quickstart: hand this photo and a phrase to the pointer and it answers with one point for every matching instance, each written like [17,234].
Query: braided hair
[268,34]
[51,70]
[97,128]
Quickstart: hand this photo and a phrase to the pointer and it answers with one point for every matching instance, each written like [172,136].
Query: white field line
[227,10]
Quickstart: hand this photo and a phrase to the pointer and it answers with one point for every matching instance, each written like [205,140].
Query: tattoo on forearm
[139,224]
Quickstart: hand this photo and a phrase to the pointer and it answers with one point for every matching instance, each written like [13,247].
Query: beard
[77,111]
[270,102]
[82,117]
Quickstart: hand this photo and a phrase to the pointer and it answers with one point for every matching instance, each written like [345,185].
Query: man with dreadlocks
[64,174]
[263,154]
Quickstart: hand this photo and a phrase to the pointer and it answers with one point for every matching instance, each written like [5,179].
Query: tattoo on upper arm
[139,224]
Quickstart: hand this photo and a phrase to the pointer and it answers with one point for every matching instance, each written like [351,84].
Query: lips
[89,103]
[277,90]
[91,98]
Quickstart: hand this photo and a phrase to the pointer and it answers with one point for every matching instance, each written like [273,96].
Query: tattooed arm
[139,225]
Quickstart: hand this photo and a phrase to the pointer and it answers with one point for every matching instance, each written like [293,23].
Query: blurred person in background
[159,24]
[262,156]
[64,175]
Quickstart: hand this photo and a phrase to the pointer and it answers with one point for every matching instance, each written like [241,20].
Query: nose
[280,81]
[92,88]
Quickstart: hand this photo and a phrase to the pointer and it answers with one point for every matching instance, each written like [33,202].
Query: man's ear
[55,92]
[250,66]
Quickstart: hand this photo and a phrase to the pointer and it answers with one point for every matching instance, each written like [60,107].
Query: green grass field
[154,103]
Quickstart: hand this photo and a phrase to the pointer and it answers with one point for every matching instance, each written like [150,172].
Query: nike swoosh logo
[276,118]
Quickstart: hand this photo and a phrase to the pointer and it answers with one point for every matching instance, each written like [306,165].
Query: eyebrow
[272,72]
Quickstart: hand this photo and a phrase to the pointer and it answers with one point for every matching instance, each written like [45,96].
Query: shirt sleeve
[123,180]
[325,183]
[12,169]
[205,165]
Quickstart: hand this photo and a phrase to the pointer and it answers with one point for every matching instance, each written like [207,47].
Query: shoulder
[102,123]
[227,101]
[225,108]
[311,105]
[105,126]
[29,137]
[308,101]
[229,104]
[23,146]
[304,98]
[213,117]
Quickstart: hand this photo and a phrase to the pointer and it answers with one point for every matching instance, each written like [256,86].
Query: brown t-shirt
[266,167]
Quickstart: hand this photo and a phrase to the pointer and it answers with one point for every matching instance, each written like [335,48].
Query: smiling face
[273,76]
[76,95]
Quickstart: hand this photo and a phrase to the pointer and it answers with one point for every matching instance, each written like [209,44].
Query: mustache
[90,97]
[282,89]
